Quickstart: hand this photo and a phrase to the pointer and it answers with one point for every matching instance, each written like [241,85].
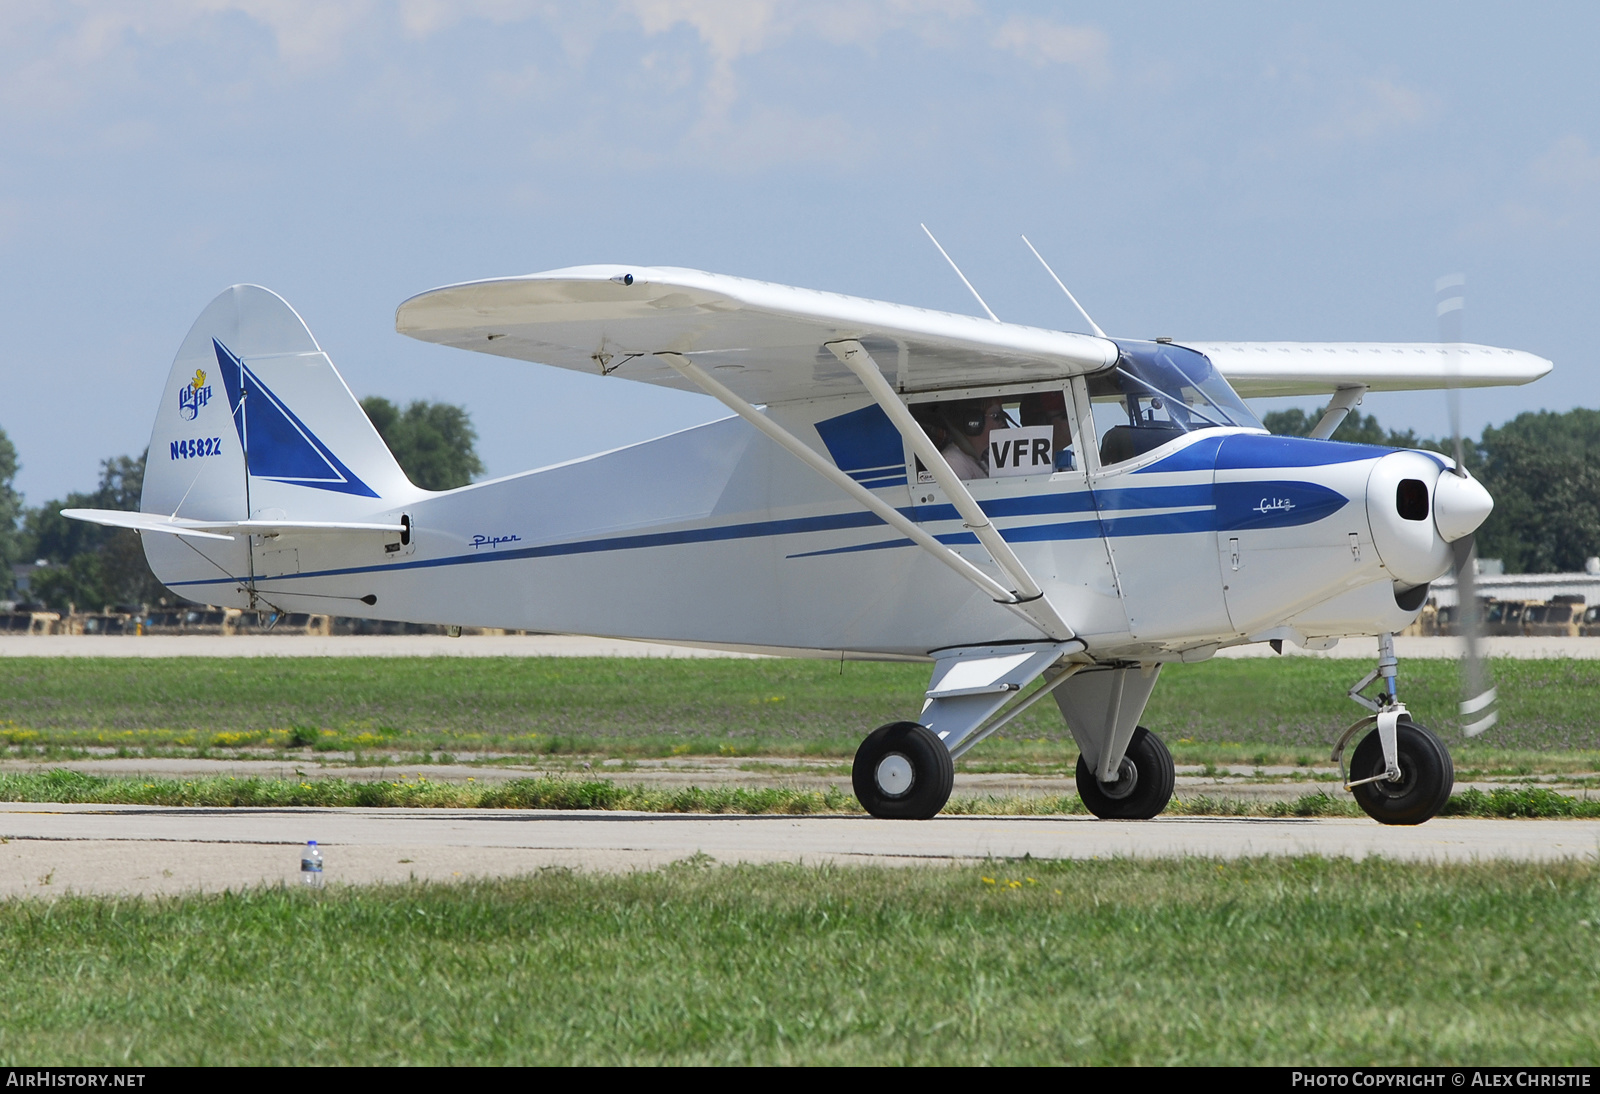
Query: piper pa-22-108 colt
[1036,513]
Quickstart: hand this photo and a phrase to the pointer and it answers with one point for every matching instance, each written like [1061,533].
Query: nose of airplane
[1460,506]
[1402,507]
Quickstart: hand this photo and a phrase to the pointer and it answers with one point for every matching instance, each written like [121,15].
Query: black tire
[903,772]
[1427,775]
[1143,791]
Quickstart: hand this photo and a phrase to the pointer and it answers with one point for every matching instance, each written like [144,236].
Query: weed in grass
[1529,801]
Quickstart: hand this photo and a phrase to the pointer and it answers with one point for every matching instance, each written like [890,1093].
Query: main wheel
[1144,783]
[903,772]
[1427,776]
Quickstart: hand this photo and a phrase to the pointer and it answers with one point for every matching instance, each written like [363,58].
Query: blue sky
[1251,171]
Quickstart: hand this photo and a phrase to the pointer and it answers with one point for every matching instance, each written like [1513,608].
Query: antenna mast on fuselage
[1086,317]
[961,275]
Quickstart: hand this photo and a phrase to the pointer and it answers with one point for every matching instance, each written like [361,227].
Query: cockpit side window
[1157,393]
[1000,436]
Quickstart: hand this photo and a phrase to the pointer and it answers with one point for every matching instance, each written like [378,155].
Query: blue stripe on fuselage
[1243,505]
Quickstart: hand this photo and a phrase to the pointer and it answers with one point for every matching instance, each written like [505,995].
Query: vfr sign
[1022,451]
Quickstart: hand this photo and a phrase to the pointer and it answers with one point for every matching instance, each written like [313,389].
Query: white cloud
[1554,197]
[308,32]
[1376,107]
[731,30]
[57,56]
[770,137]
[700,69]
[1569,165]
[305,31]
[1042,42]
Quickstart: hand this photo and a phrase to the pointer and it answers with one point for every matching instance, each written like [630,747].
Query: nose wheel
[1144,784]
[902,771]
[1427,776]
[1403,780]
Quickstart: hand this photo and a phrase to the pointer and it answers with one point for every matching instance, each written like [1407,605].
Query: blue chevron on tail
[278,444]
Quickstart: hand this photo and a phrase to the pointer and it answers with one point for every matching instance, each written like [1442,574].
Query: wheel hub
[894,775]
[1127,780]
[1401,786]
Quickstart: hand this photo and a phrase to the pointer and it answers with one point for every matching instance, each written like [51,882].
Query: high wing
[765,342]
[768,343]
[1261,369]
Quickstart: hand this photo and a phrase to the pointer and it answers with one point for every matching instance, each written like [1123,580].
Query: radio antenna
[1092,324]
[961,275]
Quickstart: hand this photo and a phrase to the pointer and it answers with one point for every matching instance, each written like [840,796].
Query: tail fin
[250,381]
[250,386]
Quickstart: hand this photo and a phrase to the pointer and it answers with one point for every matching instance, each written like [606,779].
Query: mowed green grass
[1180,962]
[569,793]
[1256,711]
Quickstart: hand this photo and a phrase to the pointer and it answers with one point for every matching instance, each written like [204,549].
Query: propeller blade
[1478,710]
[1451,303]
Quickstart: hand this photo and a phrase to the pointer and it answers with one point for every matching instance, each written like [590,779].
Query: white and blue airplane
[1017,506]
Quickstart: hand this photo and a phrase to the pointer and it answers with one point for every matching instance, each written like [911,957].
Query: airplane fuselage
[715,535]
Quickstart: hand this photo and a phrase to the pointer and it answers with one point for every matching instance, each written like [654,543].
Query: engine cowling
[1417,509]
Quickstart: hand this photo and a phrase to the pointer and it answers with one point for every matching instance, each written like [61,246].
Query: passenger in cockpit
[1050,408]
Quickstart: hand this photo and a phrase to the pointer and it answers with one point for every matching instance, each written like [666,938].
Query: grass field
[1183,962]
[1249,711]
[560,792]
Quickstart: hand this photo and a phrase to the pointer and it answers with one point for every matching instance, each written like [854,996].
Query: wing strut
[1345,399]
[1047,622]
[856,358]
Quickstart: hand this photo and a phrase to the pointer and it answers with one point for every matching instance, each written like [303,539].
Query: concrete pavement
[52,849]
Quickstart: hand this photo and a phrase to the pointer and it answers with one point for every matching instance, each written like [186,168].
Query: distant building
[22,574]
[1504,586]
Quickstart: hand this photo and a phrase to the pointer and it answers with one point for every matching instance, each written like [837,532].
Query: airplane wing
[1259,369]
[765,342]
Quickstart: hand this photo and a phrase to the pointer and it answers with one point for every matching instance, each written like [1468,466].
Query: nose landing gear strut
[1401,772]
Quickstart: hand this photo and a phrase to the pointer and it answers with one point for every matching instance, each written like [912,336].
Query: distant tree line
[93,566]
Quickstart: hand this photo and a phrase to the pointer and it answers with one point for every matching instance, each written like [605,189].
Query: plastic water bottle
[311,865]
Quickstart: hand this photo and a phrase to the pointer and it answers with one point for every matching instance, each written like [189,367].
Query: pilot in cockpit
[966,446]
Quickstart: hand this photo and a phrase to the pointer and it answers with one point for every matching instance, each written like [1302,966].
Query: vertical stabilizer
[250,378]
[251,385]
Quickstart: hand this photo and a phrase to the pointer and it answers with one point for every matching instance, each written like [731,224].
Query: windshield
[1157,392]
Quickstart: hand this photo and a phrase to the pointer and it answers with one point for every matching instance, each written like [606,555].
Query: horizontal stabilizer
[217,529]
